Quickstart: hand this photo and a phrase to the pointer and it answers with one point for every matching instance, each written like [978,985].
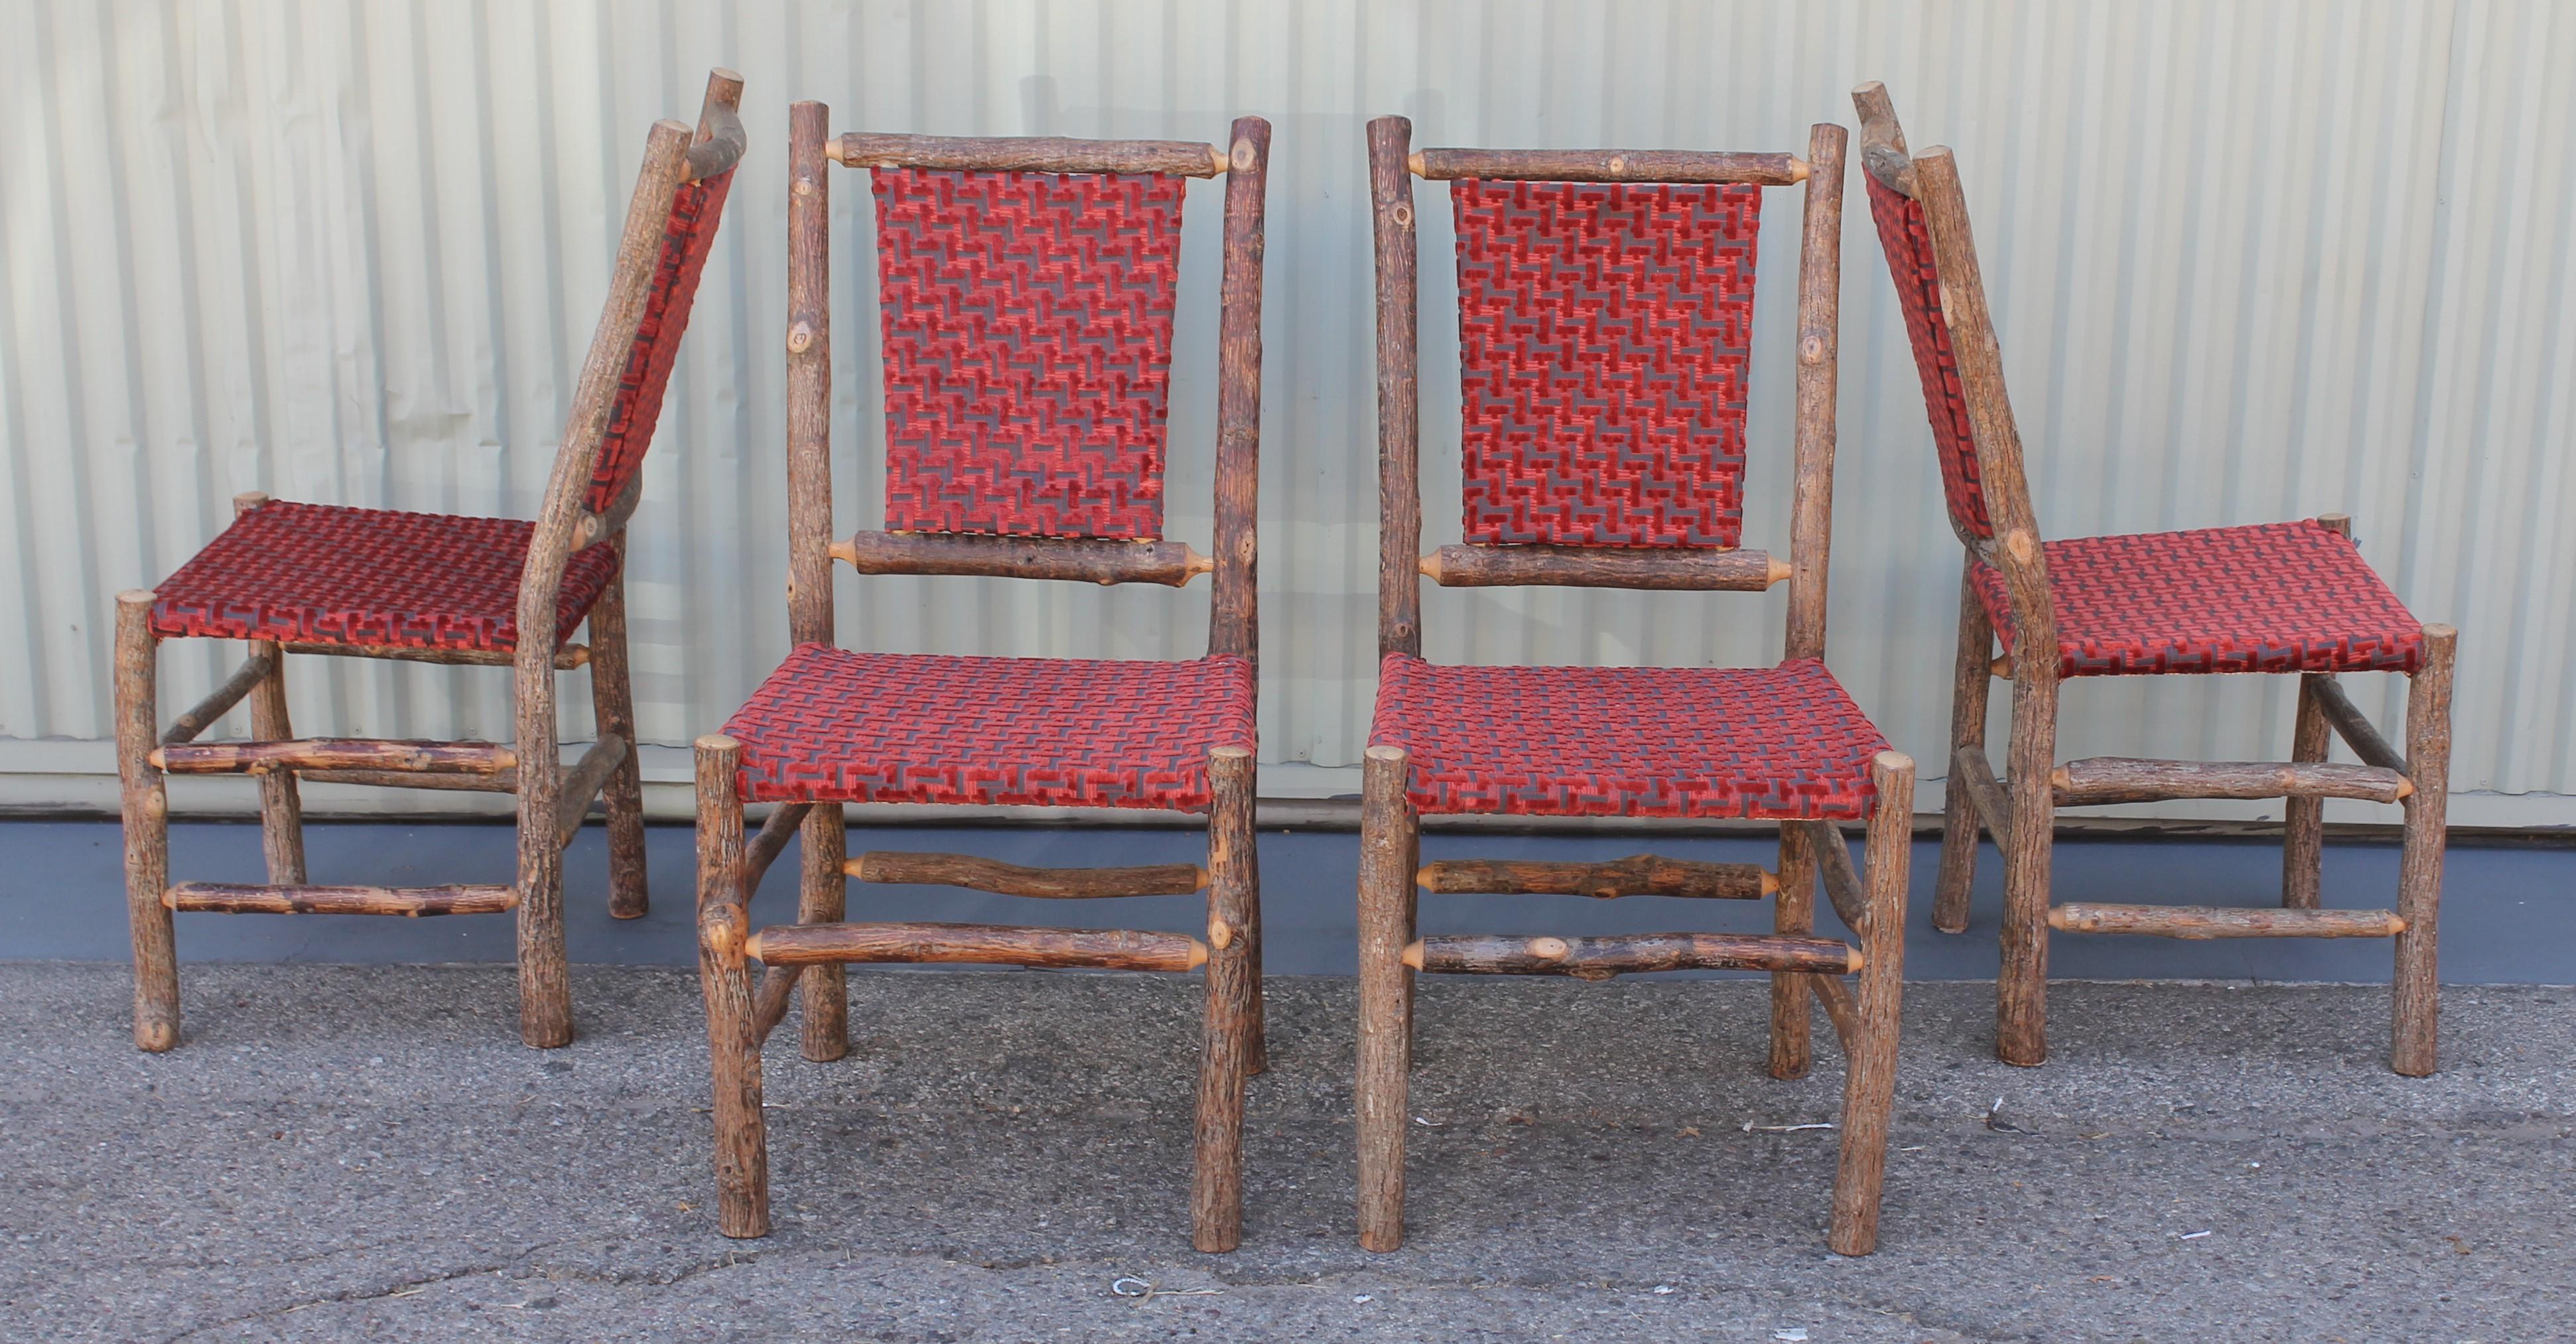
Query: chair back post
[1234,625]
[1811,517]
[809,374]
[1399,412]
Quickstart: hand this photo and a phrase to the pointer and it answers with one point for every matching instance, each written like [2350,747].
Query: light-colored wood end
[832,149]
[1425,875]
[2023,546]
[1799,169]
[1892,763]
[2338,523]
[1868,88]
[160,760]
[2060,779]
[1198,954]
[2002,666]
[1228,753]
[1780,569]
[2396,925]
[1220,934]
[1413,954]
[134,597]
[1547,948]
[1430,566]
[2405,789]
[1194,564]
[1385,753]
[1770,883]
[2440,631]
[845,552]
[2058,920]
[1413,162]
[717,742]
[248,500]
[751,947]
[1856,960]
[573,655]
[1204,879]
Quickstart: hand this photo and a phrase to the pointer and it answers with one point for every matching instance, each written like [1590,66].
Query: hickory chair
[314,578]
[1605,308]
[1026,291]
[2282,597]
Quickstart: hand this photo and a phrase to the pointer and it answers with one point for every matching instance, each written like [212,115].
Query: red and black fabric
[1028,349]
[1907,245]
[695,212]
[1604,336]
[369,578]
[1772,742]
[833,725]
[2277,597]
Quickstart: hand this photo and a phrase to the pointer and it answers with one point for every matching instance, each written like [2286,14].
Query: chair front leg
[2415,1048]
[545,972]
[1386,918]
[2021,982]
[147,825]
[2303,827]
[1869,1077]
[1972,680]
[1216,1186]
[612,698]
[724,975]
[1793,913]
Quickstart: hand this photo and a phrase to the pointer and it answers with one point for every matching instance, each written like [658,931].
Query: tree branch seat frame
[2288,598]
[1181,735]
[344,582]
[1609,540]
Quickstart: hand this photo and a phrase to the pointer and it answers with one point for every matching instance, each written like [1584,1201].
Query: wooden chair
[1027,292]
[2278,598]
[1605,332]
[321,579]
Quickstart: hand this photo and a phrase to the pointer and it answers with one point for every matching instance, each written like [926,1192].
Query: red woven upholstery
[1028,348]
[1907,245]
[919,728]
[370,578]
[695,212]
[1604,333]
[1628,741]
[2279,597]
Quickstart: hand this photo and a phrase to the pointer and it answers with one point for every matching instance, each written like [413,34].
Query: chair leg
[2419,867]
[2303,828]
[1794,912]
[1959,821]
[281,803]
[724,974]
[147,826]
[823,897]
[545,973]
[2021,983]
[612,698]
[1387,897]
[1869,1076]
[1216,1186]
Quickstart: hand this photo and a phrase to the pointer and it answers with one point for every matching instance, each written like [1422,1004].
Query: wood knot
[1811,349]
[1241,160]
[1403,216]
[1220,934]
[800,338]
[1549,949]
[804,186]
[1618,164]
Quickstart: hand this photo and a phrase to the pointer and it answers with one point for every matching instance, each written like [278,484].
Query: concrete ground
[367,1152]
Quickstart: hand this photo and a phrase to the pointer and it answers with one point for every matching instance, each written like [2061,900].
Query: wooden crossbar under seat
[1635,875]
[2205,921]
[414,902]
[976,944]
[1620,954]
[1010,879]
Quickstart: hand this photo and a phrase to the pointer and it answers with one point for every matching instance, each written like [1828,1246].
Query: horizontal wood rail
[2204,921]
[1082,559]
[1609,165]
[203,715]
[567,658]
[414,902]
[1621,954]
[1025,154]
[1842,881]
[1010,879]
[506,781]
[1662,568]
[1635,875]
[583,783]
[980,944]
[1970,770]
[2355,730]
[2121,779]
[333,753]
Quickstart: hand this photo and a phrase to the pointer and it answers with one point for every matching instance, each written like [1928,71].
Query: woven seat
[1775,742]
[833,725]
[2279,597]
[369,578]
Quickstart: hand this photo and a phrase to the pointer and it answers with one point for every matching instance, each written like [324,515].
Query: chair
[1027,297]
[2273,598]
[321,579]
[1605,307]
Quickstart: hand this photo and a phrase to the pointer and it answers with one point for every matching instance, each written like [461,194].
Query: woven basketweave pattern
[2278,597]
[1907,245]
[1028,349]
[1604,333]
[695,212]
[369,578]
[1628,741]
[831,724]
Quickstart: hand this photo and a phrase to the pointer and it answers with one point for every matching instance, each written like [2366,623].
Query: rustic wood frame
[552,798]
[1391,876]
[741,1012]
[2022,817]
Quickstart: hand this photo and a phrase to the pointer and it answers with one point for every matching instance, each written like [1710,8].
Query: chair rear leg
[1793,912]
[147,826]
[2021,983]
[1969,687]
[281,802]
[1386,918]
[1216,1186]
[1869,1077]
[2414,1050]
[724,974]
[612,697]
[823,897]
[2303,828]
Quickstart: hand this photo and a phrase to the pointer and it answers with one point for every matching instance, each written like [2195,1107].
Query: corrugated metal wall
[2251,262]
